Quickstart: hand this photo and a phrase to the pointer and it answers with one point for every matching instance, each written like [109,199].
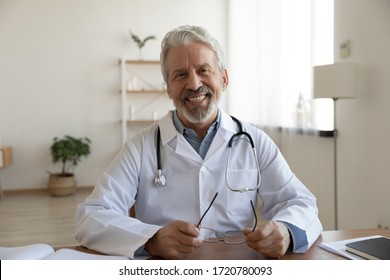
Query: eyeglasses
[230,237]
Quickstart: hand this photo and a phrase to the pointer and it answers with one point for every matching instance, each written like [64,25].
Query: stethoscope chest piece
[160,179]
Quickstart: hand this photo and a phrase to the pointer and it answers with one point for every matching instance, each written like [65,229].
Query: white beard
[200,114]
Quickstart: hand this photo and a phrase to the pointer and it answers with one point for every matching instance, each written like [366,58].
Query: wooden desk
[317,253]
[222,251]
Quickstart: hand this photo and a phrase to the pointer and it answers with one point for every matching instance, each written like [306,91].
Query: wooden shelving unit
[142,86]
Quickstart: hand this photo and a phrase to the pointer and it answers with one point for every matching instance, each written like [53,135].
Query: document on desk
[42,251]
[70,254]
[338,247]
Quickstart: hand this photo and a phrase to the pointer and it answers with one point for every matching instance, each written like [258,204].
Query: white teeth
[197,99]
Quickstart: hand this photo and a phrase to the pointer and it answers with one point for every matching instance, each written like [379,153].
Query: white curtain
[273,45]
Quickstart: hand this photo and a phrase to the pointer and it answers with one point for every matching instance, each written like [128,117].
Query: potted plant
[141,42]
[69,151]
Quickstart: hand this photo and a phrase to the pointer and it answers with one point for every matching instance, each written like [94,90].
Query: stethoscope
[160,179]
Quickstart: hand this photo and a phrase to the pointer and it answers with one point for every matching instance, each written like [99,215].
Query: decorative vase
[140,57]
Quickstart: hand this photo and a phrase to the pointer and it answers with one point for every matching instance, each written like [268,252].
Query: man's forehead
[197,54]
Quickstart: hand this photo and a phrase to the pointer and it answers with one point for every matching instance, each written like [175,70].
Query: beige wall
[59,74]
[363,143]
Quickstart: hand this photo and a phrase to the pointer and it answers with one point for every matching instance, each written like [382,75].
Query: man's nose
[194,81]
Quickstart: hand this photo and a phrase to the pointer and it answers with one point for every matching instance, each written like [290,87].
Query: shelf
[141,121]
[146,91]
[132,61]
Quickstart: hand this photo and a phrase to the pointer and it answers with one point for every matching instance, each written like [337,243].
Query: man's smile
[197,99]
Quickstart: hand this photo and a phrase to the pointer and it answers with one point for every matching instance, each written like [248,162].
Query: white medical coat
[103,223]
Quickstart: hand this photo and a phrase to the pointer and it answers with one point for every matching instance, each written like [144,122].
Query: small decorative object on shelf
[141,42]
[303,112]
[132,83]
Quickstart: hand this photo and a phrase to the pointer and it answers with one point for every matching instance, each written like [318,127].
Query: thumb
[246,231]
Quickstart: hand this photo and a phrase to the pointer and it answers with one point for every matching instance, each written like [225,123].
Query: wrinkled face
[195,83]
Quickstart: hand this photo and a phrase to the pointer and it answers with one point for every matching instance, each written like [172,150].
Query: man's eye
[179,76]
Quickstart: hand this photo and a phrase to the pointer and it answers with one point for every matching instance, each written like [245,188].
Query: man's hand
[174,241]
[270,239]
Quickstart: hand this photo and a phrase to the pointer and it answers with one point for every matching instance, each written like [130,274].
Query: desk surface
[222,251]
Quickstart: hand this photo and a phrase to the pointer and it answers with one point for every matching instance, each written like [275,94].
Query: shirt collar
[182,129]
[226,126]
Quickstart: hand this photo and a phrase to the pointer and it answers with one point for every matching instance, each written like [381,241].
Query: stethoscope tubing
[160,179]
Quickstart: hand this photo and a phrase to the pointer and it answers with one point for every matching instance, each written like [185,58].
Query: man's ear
[225,79]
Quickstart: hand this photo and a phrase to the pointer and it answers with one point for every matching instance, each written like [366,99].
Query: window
[273,46]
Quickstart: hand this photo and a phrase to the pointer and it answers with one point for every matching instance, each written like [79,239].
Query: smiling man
[195,79]
[206,162]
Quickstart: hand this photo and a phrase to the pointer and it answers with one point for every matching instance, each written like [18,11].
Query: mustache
[190,93]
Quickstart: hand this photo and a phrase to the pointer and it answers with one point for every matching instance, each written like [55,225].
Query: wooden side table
[5,160]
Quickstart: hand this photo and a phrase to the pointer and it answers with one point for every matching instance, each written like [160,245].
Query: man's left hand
[271,239]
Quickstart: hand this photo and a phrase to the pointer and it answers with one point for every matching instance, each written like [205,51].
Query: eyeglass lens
[207,235]
[230,237]
[234,237]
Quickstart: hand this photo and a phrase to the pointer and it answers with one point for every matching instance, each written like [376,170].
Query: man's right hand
[174,241]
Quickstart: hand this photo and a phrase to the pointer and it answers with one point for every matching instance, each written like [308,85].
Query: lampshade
[339,80]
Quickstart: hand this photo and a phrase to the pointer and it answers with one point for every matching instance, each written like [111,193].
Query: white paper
[70,254]
[29,252]
[339,247]
[42,251]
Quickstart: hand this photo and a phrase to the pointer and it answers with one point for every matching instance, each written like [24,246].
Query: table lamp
[336,81]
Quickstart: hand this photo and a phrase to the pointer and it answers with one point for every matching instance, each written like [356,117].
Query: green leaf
[141,43]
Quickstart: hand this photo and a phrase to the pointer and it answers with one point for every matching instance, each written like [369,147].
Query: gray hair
[184,35]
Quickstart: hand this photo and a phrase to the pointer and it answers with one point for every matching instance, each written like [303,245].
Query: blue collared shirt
[199,145]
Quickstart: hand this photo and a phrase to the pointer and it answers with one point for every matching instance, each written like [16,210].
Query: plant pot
[61,185]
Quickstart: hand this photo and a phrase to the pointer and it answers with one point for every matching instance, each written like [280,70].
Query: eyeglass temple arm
[254,213]
[208,208]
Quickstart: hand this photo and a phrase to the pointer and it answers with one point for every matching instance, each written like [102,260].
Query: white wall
[364,131]
[59,74]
